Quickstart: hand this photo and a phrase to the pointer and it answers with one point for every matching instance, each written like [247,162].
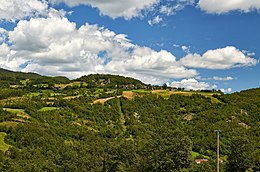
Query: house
[200,161]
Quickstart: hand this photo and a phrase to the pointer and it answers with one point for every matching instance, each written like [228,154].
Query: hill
[62,130]
[94,80]
[114,123]
[8,77]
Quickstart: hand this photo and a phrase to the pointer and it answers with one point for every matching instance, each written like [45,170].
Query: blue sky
[196,44]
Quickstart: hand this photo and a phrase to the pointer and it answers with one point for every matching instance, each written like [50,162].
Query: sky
[195,44]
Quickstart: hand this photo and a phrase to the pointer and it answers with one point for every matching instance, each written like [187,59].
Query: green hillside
[110,81]
[90,124]
[14,78]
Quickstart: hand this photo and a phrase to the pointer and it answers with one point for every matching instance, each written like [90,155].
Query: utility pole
[217,131]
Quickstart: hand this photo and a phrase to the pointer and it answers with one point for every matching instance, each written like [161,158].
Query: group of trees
[147,133]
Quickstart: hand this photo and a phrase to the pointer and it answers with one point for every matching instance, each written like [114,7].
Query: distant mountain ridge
[10,77]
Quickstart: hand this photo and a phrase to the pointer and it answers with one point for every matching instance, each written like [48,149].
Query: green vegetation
[49,108]
[114,123]
[3,146]
[13,110]
[8,78]
[196,155]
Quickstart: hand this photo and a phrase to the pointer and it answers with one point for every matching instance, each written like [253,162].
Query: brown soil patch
[102,101]
[128,94]
[188,117]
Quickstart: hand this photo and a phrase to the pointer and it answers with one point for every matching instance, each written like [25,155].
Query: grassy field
[195,154]
[142,91]
[34,94]
[13,110]
[71,84]
[9,123]
[167,94]
[48,109]
[3,146]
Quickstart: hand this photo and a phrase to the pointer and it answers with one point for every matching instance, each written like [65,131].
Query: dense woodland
[52,124]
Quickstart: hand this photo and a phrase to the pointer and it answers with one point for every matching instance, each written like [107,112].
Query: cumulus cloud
[191,84]
[12,10]
[224,6]
[116,8]
[229,90]
[54,46]
[7,59]
[223,58]
[155,20]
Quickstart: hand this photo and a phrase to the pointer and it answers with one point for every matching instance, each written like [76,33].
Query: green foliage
[6,93]
[3,146]
[49,108]
[10,77]
[111,81]
[64,131]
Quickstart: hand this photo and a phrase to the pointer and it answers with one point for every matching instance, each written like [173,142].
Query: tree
[165,86]
[239,159]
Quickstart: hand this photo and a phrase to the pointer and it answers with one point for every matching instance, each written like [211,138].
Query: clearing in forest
[48,109]
[14,110]
[128,94]
[102,101]
[3,146]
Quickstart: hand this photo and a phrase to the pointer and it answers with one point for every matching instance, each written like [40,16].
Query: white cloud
[7,59]
[216,78]
[176,45]
[4,50]
[224,6]
[229,90]
[228,78]
[185,48]
[54,46]
[114,8]
[155,20]
[11,10]
[167,10]
[173,6]
[3,35]
[223,58]
[250,54]
[191,84]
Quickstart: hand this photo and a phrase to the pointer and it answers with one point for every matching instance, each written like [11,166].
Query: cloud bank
[46,42]
[223,58]
[225,6]
[191,84]
[12,10]
[114,8]
[54,46]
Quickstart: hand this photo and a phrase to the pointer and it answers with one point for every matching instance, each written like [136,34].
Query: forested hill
[11,77]
[110,80]
[112,123]
[93,80]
